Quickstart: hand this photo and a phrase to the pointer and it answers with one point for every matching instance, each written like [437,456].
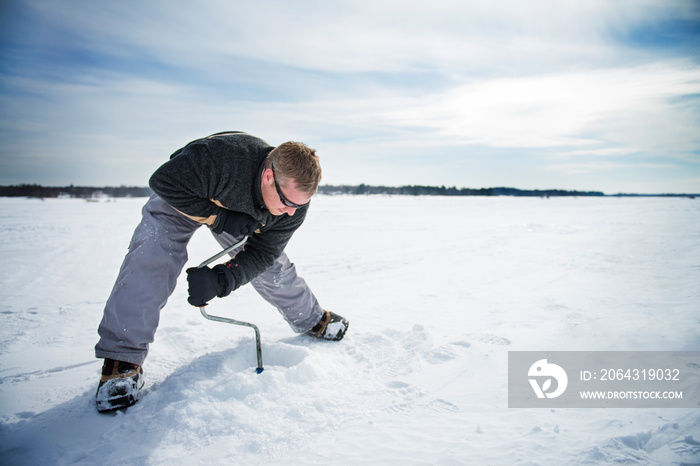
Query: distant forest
[443,191]
[87,192]
[84,192]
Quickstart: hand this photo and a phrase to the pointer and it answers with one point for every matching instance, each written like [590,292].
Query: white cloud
[605,113]
[567,109]
[583,167]
[607,152]
[362,35]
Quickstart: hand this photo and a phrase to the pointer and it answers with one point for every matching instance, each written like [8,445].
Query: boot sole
[116,404]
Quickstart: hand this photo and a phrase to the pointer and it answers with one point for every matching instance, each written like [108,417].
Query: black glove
[236,223]
[205,284]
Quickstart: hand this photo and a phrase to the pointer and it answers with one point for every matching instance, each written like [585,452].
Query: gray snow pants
[147,278]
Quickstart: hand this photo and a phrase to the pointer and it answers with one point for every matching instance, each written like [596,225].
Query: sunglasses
[284,200]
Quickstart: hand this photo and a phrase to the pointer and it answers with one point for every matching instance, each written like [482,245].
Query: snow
[437,291]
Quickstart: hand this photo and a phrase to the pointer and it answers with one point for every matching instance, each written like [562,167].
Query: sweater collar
[257,189]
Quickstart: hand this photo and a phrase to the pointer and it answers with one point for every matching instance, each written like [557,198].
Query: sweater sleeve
[188,181]
[262,249]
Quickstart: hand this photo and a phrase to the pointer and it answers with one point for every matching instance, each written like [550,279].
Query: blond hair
[298,162]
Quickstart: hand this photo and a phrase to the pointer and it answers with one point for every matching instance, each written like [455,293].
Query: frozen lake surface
[437,291]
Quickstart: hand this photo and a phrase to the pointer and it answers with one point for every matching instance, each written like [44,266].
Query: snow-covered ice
[437,291]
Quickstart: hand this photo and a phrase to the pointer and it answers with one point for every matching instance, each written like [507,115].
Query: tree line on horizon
[86,192]
[418,190]
[83,192]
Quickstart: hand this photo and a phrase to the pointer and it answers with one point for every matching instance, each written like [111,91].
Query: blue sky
[588,95]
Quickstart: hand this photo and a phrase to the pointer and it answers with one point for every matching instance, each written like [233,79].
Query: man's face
[281,199]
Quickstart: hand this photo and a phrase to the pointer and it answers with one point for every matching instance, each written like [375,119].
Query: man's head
[291,176]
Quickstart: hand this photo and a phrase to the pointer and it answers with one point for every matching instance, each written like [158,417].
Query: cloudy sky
[589,95]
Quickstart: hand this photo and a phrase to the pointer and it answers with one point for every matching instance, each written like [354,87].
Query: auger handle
[223,253]
[232,321]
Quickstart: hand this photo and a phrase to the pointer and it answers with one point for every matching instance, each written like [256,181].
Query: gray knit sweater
[227,167]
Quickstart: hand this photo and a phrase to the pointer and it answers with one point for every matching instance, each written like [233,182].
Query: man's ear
[267,175]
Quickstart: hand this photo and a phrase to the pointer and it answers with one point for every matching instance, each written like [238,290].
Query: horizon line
[362,188]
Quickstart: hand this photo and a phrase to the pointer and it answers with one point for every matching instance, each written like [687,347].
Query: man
[239,186]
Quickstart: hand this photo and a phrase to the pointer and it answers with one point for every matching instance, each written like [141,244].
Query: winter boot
[119,386]
[330,327]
